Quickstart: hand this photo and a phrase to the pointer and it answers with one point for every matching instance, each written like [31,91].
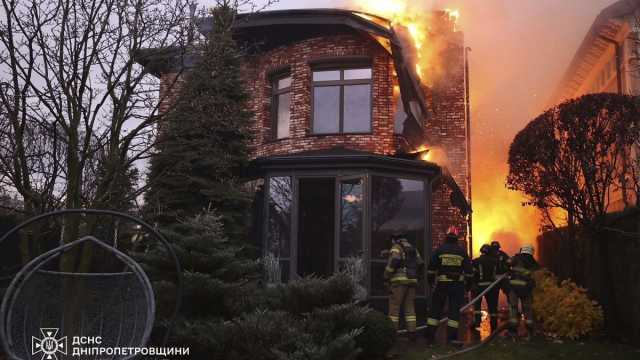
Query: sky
[520,50]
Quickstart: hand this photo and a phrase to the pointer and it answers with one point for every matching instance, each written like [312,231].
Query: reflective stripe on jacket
[450,263]
[396,271]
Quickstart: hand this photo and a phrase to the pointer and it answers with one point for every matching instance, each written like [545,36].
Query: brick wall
[446,128]
[297,56]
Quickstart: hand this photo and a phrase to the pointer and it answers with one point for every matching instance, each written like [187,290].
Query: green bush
[309,293]
[278,335]
[378,336]
[377,333]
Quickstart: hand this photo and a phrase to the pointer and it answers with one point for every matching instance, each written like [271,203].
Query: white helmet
[527,249]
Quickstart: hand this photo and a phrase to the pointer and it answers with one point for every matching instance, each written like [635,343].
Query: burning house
[350,142]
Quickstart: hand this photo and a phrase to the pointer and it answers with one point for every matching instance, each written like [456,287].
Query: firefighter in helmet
[451,271]
[521,284]
[401,275]
[502,266]
[484,268]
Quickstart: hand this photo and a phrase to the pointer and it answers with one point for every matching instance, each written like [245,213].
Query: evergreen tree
[218,283]
[203,140]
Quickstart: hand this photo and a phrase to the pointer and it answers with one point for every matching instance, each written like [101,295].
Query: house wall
[445,127]
[297,56]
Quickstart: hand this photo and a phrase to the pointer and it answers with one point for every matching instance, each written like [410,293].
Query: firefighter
[502,266]
[484,268]
[521,284]
[401,276]
[451,271]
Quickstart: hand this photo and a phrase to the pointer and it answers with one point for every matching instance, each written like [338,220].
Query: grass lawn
[501,349]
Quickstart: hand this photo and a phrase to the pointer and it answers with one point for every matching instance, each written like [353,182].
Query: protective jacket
[450,263]
[502,262]
[404,264]
[485,269]
[522,267]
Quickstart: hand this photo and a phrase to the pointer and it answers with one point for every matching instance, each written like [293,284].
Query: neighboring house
[607,61]
[340,117]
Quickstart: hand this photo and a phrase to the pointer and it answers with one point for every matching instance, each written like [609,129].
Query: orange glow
[417,23]
[498,213]
[454,15]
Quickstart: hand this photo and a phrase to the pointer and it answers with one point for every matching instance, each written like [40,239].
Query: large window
[281,104]
[397,206]
[342,101]
[280,197]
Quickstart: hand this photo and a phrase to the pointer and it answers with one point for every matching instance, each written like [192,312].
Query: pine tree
[218,282]
[203,140]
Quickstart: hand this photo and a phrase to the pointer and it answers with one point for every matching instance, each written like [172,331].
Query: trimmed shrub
[304,295]
[278,335]
[378,336]
[563,308]
[377,333]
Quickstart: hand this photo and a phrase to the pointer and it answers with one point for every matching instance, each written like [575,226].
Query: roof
[340,157]
[344,158]
[606,27]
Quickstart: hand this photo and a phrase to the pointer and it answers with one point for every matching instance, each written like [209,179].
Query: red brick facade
[297,57]
[445,128]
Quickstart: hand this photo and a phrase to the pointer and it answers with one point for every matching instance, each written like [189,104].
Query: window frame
[275,103]
[341,83]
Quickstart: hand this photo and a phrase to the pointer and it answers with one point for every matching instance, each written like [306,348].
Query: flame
[499,214]
[434,154]
[454,16]
[416,21]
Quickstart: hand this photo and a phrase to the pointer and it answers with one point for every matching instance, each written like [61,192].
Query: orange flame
[398,12]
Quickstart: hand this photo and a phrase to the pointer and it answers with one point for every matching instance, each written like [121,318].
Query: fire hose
[468,305]
[462,310]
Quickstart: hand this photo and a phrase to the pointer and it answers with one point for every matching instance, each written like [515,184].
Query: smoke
[520,50]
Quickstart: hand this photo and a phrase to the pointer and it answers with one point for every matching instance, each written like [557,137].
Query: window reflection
[342,101]
[279,216]
[397,206]
[357,108]
[351,207]
[281,103]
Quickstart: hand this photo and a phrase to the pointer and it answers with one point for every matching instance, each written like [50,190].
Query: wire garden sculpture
[44,308]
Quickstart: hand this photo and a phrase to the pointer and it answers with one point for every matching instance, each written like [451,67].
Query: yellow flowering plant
[563,309]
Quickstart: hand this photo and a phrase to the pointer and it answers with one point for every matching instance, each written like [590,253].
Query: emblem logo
[50,346]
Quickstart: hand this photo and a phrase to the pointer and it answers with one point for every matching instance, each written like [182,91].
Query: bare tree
[72,92]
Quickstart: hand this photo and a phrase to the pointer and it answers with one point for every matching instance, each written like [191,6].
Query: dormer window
[281,106]
[342,100]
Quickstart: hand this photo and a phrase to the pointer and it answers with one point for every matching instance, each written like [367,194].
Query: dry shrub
[563,308]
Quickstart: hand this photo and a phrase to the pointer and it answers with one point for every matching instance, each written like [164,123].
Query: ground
[502,349]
